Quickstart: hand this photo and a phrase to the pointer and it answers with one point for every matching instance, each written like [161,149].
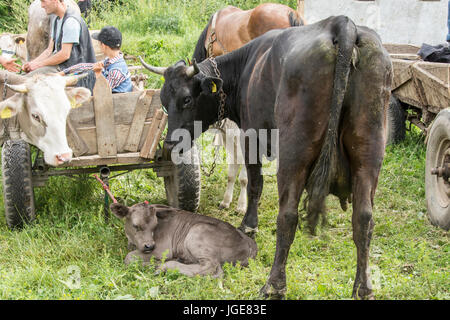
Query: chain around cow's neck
[6,135]
[223,96]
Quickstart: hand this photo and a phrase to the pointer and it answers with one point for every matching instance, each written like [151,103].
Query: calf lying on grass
[195,244]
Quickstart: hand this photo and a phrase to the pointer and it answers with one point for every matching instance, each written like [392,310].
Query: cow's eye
[187,101]
[36,117]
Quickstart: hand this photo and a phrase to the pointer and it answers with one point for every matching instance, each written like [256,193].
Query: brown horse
[231,27]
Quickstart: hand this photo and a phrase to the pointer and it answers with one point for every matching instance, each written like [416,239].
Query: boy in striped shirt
[114,67]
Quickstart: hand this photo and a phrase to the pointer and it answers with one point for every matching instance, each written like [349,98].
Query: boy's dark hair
[110,36]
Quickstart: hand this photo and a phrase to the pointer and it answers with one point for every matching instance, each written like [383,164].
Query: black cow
[325,87]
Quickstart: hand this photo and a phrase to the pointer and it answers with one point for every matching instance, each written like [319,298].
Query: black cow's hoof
[269,292]
[360,293]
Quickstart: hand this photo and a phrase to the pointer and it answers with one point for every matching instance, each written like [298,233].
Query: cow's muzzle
[149,247]
[63,158]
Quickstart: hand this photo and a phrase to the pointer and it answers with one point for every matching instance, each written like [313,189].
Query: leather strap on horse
[213,37]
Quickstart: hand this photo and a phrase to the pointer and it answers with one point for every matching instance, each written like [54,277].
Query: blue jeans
[448,22]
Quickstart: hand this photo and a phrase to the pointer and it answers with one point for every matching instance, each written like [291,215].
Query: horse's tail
[294,19]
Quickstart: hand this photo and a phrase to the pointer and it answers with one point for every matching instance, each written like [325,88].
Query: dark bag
[439,53]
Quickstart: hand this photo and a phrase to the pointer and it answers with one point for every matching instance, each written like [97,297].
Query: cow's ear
[163,213]
[19,39]
[119,210]
[77,96]
[10,107]
[211,85]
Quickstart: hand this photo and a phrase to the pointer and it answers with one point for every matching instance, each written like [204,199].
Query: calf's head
[189,95]
[140,224]
[42,104]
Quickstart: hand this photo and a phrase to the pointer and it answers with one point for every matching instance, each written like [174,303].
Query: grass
[71,253]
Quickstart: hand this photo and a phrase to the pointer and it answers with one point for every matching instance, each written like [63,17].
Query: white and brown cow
[42,104]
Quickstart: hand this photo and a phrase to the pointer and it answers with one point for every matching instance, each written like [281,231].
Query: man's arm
[47,59]
[9,64]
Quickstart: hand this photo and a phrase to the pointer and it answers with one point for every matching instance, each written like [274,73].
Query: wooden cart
[421,94]
[110,132]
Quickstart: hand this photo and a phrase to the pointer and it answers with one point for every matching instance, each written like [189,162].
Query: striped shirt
[115,77]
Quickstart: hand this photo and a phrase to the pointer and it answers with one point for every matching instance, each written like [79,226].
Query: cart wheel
[18,192]
[437,171]
[183,186]
[396,118]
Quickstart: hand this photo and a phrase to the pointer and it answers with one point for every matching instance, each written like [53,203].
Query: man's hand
[31,66]
[10,64]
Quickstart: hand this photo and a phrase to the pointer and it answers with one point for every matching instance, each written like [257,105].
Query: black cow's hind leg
[363,225]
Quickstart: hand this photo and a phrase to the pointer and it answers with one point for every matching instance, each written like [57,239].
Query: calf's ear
[211,85]
[77,96]
[11,106]
[163,213]
[119,210]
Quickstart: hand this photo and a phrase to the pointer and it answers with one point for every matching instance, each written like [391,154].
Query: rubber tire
[18,191]
[438,201]
[396,118]
[184,185]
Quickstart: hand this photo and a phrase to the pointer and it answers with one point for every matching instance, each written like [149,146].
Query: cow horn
[11,78]
[158,70]
[22,88]
[192,70]
[72,80]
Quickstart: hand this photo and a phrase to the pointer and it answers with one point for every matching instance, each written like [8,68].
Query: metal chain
[219,123]
[222,94]
[6,135]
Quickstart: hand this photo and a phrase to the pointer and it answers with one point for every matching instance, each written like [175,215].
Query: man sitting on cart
[70,42]
[114,68]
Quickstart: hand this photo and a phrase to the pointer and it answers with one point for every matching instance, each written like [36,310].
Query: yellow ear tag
[213,87]
[21,41]
[6,113]
[74,104]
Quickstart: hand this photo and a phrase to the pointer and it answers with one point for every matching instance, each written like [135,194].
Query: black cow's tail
[319,181]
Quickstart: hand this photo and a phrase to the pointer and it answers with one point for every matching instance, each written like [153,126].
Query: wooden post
[157,126]
[301,7]
[137,125]
[104,118]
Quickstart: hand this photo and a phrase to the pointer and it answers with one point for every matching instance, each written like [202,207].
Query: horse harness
[213,37]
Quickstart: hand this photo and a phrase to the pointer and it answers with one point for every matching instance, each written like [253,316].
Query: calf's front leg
[204,267]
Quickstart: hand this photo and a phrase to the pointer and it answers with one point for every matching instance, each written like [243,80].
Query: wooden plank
[104,118]
[405,56]
[137,125]
[149,140]
[124,107]
[401,77]
[76,143]
[401,48]
[95,160]
[161,127]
